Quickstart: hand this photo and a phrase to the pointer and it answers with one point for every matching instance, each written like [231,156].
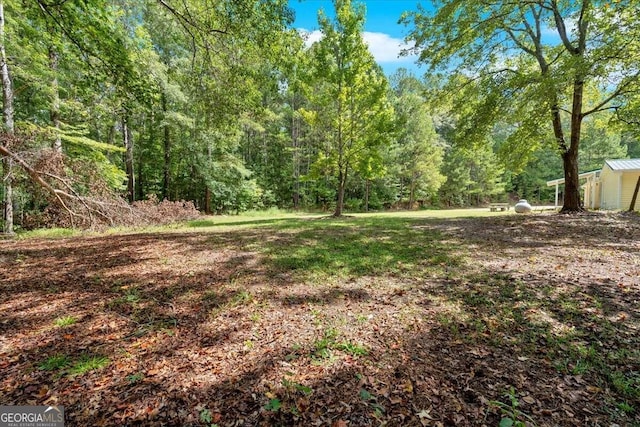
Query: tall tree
[351,92]
[418,150]
[533,61]
[8,125]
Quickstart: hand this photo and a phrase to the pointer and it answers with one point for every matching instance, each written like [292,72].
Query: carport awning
[584,175]
[558,182]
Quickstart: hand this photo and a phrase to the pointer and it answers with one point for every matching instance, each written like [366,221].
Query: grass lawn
[429,318]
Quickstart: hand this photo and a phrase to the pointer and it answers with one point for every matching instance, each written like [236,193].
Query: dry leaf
[425,414]
[528,399]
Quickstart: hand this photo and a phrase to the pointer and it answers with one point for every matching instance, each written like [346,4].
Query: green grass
[352,348]
[364,256]
[61,362]
[49,233]
[55,363]
[250,219]
[484,306]
[275,216]
[88,364]
[361,246]
[63,321]
[322,348]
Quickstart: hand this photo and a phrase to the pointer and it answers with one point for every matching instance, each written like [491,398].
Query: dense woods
[223,103]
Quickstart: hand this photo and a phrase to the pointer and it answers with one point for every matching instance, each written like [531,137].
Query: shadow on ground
[366,321]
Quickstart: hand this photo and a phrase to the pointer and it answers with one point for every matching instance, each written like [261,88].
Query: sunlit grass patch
[55,362]
[63,321]
[64,364]
[87,364]
[359,247]
[49,233]
[351,348]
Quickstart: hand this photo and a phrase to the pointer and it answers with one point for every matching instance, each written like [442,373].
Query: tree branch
[619,91]
[562,29]
[36,178]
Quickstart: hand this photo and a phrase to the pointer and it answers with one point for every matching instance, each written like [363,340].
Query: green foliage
[227,106]
[417,155]
[350,105]
[601,140]
[371,400]
[135,378]
[273,405]
[472,176]
[54,363]
[502,67]
[295,386]
[88,364]
[63,363]
[48,233]
[206,416]
[322,347]
[77,136]
[352,349]
[511,415]
[61,322]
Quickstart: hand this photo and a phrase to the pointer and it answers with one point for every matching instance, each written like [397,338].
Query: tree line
[223,103]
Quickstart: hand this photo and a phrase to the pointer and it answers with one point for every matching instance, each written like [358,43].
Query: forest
[223,106]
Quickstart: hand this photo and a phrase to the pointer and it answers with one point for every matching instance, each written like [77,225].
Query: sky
[382,31]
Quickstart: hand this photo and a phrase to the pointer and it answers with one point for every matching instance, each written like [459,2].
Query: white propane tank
[522,206]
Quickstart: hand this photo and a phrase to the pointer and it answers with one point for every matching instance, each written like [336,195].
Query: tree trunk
[166,168]
[8,124]
[128,160]
[55,99]
[367,188]
[570,157]
[8,195]
[342,179]
[412,193]
[632,207]
[296,160]
[207,201]
[571,183]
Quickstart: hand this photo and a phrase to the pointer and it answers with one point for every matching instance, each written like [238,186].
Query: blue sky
[382,31]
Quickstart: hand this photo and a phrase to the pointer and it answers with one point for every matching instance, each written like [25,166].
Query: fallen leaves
[198,326]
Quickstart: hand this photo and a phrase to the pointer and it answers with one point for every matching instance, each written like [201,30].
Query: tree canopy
[543,66]
[225,104]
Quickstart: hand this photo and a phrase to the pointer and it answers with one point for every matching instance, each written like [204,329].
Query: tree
[350,93]
[528,75]
[418,148]
[601,140]
[8,125]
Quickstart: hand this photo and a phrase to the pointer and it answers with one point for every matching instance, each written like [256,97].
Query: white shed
[618,181]
[611,187]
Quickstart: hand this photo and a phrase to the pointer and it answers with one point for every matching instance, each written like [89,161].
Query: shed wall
[629,180]
[609,188]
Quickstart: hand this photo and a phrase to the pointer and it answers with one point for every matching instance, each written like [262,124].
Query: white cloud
[310,36]
[386,48]
[383,47]
[550,30]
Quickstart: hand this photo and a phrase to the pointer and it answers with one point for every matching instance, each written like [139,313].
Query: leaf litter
[464,322]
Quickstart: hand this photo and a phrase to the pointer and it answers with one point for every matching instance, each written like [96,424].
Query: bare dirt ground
[449,322]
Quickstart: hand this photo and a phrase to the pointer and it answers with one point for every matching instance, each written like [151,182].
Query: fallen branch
[37,179]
